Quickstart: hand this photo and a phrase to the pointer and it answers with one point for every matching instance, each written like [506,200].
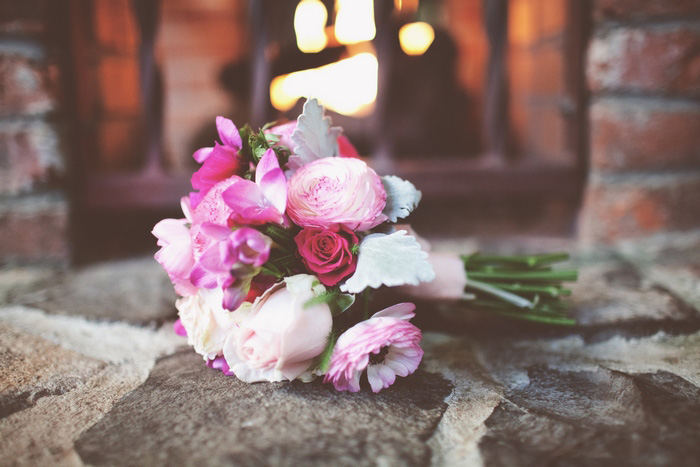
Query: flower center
[377,358]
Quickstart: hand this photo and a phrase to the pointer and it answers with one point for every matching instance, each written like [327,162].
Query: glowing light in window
[415,38]
[348,87]
[309,26]
[354,21]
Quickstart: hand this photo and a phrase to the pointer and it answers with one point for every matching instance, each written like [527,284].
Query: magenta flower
[263,201]
[386,345]
[231,262]
[327,253]
[218,163]
[175,254]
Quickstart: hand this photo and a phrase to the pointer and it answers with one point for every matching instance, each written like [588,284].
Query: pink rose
[336,191]
[327,253]
[284,132]
[280,337]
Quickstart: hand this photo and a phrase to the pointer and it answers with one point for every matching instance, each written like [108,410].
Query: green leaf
[336,301]
[325,357]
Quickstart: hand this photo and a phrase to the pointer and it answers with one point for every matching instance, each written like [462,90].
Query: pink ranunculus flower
[176,254]
[327,253]
[386,345]
[284,132]
[281,336]
[336,191]
[218,163]
[231,262]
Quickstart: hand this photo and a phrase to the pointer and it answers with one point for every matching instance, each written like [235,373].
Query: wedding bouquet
[283,242]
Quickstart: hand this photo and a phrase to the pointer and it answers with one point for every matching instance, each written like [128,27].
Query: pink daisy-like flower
[386,345]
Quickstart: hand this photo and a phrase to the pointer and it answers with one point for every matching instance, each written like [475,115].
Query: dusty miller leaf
[402,197]
[314,138]
[391,260]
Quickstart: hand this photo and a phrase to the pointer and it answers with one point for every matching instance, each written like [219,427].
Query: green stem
[560,275]
[516,300]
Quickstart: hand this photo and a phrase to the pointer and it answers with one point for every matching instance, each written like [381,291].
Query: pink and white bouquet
[284,239]
[287,228]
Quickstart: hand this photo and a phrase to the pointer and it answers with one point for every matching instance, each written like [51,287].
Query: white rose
[207,323]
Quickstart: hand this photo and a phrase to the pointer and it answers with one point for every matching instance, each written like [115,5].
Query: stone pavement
[92,374]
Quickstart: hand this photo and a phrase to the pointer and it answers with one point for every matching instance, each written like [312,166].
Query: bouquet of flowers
[285,238]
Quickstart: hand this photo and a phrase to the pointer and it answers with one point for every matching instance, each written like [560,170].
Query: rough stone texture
[60,375]
[657,60]
[134,290]
[623,387]
[220,420]
[644,134]
[34,228]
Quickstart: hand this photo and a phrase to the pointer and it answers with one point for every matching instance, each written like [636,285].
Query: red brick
[29,153]
[618,208]
[658,60]
[643,9]
[34,229]
[644,134]
[26,87]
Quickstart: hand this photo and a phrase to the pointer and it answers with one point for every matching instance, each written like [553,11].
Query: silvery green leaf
[391,260]
[401,197]
[314,138]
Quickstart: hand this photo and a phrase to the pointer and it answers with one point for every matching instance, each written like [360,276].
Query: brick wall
[643,72]
[33,208]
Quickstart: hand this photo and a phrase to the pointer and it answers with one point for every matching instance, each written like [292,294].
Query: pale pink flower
[281,336]
[261,201]
[218,163]
[386,345]
[336,191]
[231,262]
[175,254]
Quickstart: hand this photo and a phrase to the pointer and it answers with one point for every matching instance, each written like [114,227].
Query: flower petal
[228,133]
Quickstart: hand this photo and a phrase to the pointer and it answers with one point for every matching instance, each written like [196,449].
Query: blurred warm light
[348,86]
[354,21]
[310,26]
[408,6]
[415,38]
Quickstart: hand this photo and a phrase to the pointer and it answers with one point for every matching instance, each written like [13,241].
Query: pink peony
[284,132]
[327,253]
[218,163]
[281,337]
[336,191]
[175,254]
[211,210]
[386,345]
[231,262]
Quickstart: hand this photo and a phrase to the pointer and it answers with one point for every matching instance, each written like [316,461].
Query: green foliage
[324,359]
[336,301]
